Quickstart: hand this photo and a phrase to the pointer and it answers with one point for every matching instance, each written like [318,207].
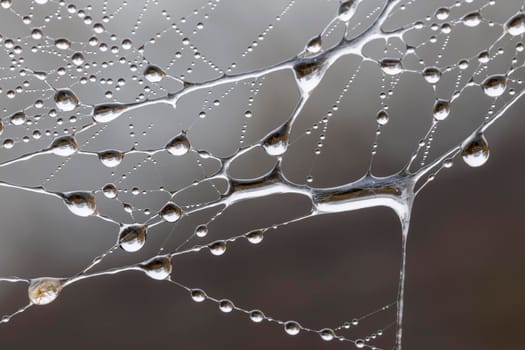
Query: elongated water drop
[201,231]
[153,74]
[171,212]
[292,327]
[276,143]
[158,268]
[108,112]
[44,290]
[308,73]
[391,66]
[179,145]
[77,58]
[255,237]
[472,19]
[495,85]
[476,151]
[347,10]
[110,158]
[516,25]
[441,109]
[132,237]
[80,203]
[64,146]
[314,45]
[66,100]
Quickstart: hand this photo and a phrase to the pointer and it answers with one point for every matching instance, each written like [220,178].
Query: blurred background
[465,273]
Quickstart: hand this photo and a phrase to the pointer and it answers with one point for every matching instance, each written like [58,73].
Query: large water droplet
[516,25]
[158,268]
[62,44]
[256,316]
[314,45]
[110,191]
[472,19]
[476,151]
[171,212]
[44,290]
[292,327]
[276,143]
[391,66]
[226,306]
[132,237]
[347,10]
[432,75]
[77,58]
[255,237]
[217,248]
[309,73]
[327,334]
[495,85]
[198,295]
[66,100]
[111,158]
[18,118]
[108,112]
[80,203]
[179,145]
[64,146]
[441,109]
[153,74]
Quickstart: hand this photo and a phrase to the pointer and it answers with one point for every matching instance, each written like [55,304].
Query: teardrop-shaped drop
[110,158]
[255,237]
[314,45]
[495,85]
[108,112]
[170,212]
[158,268]
[64,146]
[391,66]
[198,295]
[44,290]
[179,145]
[62,44]
[217,248]
[476,151]
[132,237]
[153,74]
[80,203]
[309,72]
[516,25]
[276,143]
[66,100]
[441,109]
[472,19]
[347,10]
[201,231]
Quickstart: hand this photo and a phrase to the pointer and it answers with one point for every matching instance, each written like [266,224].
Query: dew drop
[132,237]
[441,109]
[476,151]
[314,45]
[292,327]
[110,191]
[359,343]
[170,212]
[347,10]
[276,143]
[201,231]
[110,158]
[255,237]
[179,145]
[495,85]
[308,73]
[44,290]
[153,74]
[80,203]
[198,295]
[391,66]
[64,146]
[432,75]
[225,305]
[66,100]
[18,118]
[158,268]
[472,19]
[108,112]
[217,248]
[327,334]
[77,58]
[516,25]
[256,316]
[62,44]
[382,117]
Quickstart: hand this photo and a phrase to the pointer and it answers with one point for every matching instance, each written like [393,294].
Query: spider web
[156,137]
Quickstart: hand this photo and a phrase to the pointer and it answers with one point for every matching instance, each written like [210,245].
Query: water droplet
[44,290]
[110,191]
[432,75]
[382,117]
[18,118]
[391,66]
[476,151]
[327,334]
[276,143]
[170,212]
[359,343]
[198,295]
[158,268]
[153,74]
[308,73]
[255,237]
[355,322]
[6,3]
[347,10]
[217,248]
[110,158]
[314,45]
[225,305]
[495,85]
[62,44]
[441,109]
[77,58]
[442,14]
[201,231]
[132,237]
[472,19]
[80,203]
[66,100]
[64,146]
[292,327]
[179,145]
[256,316]
[516,25]
[108,112]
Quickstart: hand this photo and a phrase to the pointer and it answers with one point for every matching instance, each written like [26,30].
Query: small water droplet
[382,117]
[255,237]
[201,231]
[18,118]
[80,203]
[170,212]
[158,268]
[472,19]
[292,327]
[441,109]
[359,343]
[179,145]
[327,334]
[77,58]
[110,158]
[64,146]
[347,10]
[198,295]
[276,143]
[62,44]
[476,151]
[217,248]
[495,85]
[132,237]
[108,112]
[256,316]
[110,191]
[225,305]
[309,73]
[315,45]
[391,66]
[44,290]
[154,74]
